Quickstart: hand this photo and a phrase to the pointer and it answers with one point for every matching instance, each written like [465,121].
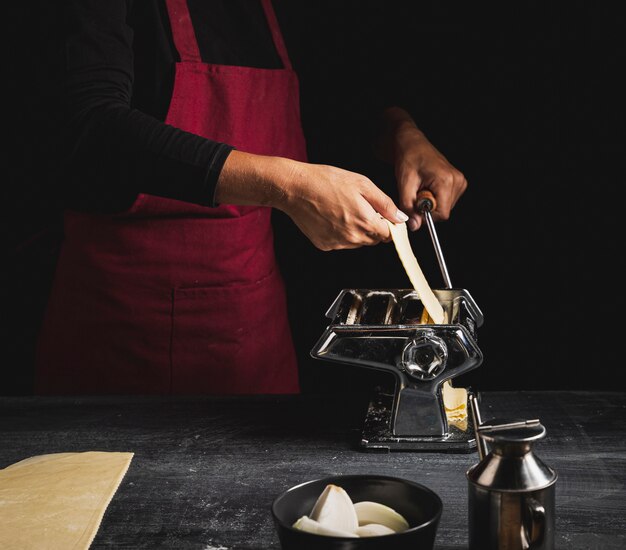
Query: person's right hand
[334,208]
[337,209]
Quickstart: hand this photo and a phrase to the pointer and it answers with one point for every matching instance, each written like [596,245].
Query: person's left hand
[419,165]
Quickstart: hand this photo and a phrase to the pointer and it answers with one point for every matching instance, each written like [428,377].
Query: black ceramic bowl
[418,504]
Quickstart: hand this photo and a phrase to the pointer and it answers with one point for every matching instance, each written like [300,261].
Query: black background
[526,100]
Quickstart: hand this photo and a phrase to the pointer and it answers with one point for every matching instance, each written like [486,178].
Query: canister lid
[511,431]
[511,465]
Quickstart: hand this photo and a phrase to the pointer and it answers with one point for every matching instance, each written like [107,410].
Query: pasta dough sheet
[454,399]
[57,501]
[400,237]
[455,405]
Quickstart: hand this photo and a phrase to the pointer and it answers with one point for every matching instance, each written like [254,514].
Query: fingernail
[412,224]
[401,216]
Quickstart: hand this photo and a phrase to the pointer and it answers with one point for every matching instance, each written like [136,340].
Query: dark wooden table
[206,470]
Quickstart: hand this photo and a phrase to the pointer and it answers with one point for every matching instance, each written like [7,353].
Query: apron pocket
[231,339]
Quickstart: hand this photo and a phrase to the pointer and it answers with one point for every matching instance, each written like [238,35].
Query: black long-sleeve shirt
[117,82]
[94,79]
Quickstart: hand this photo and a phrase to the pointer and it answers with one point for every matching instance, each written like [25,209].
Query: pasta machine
[383,329]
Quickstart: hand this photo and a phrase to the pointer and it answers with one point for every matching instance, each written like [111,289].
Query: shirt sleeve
[112,151]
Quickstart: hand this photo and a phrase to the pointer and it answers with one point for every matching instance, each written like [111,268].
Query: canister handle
[535,528]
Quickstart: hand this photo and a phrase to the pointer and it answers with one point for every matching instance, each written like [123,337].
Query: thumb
[383,204]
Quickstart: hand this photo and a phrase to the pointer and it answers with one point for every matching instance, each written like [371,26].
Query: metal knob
[425,356]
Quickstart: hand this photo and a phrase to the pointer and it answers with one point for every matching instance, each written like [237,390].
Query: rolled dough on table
[57,501]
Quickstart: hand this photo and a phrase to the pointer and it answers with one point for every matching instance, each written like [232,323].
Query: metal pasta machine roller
[384,329]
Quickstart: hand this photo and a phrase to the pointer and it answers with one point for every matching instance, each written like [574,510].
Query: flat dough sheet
[454,399]
[57,501]
[455,404]
[400,237]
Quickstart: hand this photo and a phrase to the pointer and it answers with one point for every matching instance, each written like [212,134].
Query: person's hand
[334,208]
[338,209]
[419,165]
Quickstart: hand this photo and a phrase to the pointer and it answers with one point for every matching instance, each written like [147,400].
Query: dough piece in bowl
[58,500]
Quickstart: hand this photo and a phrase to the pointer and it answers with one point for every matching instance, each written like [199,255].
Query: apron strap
[185,37]
[279,43]
[182,31]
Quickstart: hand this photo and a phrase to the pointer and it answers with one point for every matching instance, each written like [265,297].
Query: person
[182,132]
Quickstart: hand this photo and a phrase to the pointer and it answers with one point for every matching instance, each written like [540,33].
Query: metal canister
[511,497]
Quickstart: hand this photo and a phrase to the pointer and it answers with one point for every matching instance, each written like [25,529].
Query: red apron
[171,297]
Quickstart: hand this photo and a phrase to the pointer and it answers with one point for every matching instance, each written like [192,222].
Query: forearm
[393,127]
[248,179]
